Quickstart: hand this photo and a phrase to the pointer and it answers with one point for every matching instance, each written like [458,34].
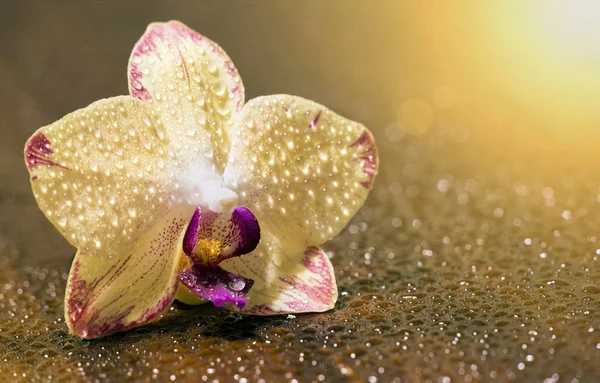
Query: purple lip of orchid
[210,239]
[216,285]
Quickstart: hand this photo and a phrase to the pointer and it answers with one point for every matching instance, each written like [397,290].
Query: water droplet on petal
[208,152]
[212,68]
[137,85]
[200,100]
[220,88]
[201,117]
[93,165]
[237,284]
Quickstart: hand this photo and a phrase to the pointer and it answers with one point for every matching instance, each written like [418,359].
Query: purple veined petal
[367,157]
[321,167]
[248,232]
[190,61]
[109,294]
[216,285]
[190,238]
[286,280]
[38,152]
[84,167]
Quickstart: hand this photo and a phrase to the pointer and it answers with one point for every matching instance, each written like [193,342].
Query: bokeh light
[574,23]
[531,63]
[416,116]
[444,97]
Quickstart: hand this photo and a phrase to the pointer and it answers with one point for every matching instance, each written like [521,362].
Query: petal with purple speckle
[101,174]
[286,280]
[109,294]
[302,169]
[194,85]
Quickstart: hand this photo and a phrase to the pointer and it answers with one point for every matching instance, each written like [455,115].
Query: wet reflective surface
[475,257]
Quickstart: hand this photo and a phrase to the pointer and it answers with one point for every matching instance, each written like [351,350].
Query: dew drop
[212,68]
[190,131]
[62,221]
[137,85]
[220,88]
[237,284]
[93,165]
[208,152]
[201,117]
[146,121]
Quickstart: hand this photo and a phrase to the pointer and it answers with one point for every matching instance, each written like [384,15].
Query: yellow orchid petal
[106,178]
[286,280]
[194,86]
[109,294]
[102,174]
[185,295]
[303,170]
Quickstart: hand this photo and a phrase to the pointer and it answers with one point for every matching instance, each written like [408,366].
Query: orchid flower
[182,191]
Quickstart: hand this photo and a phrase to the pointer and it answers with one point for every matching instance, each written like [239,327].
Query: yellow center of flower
[208,250]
